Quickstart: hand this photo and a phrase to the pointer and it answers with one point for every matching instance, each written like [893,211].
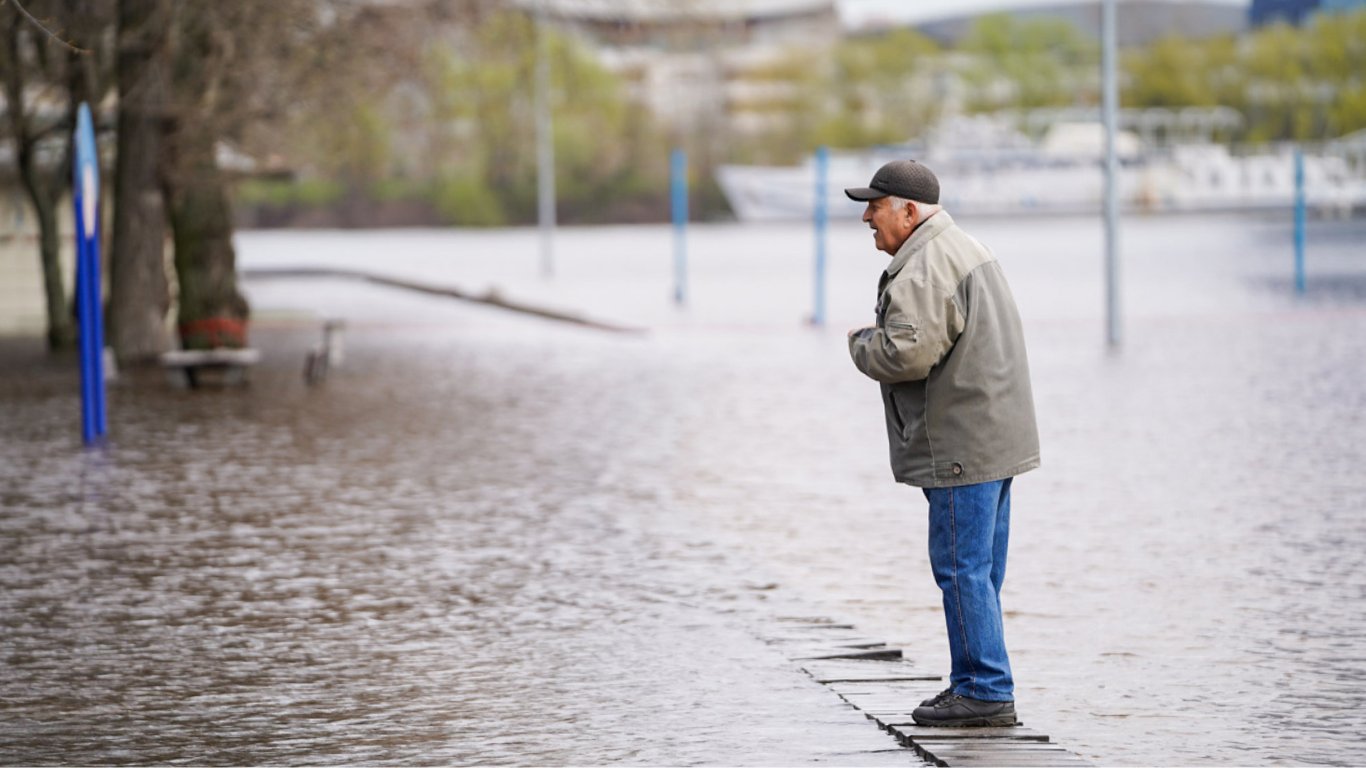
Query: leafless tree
[53,55]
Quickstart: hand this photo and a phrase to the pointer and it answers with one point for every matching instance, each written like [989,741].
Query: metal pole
[1299,220]
[97,307]
[678,185]
[1110,109]
[821,215]
[545,146]
[85,324]
[89,307]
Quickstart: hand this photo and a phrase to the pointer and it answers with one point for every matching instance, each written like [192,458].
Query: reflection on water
[490,539]
[443,556]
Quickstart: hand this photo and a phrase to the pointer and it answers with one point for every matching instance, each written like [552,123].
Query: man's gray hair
[926,209]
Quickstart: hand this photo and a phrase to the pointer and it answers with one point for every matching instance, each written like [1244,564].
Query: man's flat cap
[900,178]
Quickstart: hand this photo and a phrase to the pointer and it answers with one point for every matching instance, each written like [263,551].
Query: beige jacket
[949,351]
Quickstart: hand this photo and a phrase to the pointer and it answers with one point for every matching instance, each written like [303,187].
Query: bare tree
[53,56]
[237,70]
[212,310]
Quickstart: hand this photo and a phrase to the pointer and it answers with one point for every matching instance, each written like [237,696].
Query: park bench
[197,367]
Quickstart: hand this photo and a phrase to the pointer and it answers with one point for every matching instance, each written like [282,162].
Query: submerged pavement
[495,538]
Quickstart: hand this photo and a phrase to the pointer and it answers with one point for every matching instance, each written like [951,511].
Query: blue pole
[822,214]
[678,166]
[97,304]
[86,198]
[1299,220]
[86,333]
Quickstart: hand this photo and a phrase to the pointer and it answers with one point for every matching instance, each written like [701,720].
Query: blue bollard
[821,215]
[1299,221]
[89,306]
[678,178]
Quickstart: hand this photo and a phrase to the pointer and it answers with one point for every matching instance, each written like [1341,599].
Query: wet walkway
[460,550]
[883,684]
[496,539]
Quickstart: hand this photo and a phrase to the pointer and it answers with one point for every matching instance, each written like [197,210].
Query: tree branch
[24,12]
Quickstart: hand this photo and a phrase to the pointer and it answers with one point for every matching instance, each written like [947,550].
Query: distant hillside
[1139,21]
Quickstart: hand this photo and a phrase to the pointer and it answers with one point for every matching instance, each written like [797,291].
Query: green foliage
[283,193]
[870,91]
[1175,73]
[483,91]
[1028,63]
[872,83]
[468,201]
[1289,83]
[456,131]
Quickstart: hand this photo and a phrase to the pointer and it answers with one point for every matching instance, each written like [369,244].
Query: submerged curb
[491,298]
[882,684]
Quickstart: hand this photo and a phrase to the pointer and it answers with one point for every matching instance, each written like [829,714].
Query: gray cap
[902,178]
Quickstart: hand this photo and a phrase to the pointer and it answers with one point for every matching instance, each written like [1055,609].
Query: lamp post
[1109,111]
[821,215]
[545,146]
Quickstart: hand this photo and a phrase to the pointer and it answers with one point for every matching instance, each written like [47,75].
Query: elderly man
[949,353]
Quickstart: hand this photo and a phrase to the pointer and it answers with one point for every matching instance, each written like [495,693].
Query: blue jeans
[969,533]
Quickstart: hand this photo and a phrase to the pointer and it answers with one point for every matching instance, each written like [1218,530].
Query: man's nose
[868,213]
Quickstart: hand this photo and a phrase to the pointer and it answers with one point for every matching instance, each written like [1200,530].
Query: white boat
[984,168]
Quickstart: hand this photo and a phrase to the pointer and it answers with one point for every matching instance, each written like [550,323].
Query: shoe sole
[999,721]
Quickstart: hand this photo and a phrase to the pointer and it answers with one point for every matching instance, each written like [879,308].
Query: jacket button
[957,468]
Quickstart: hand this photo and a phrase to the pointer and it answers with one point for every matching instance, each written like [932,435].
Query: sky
[856,13]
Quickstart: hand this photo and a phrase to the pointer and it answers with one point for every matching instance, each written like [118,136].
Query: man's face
[891,226]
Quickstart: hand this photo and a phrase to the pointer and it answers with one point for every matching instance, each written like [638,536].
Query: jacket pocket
[907,406]
[909,330]
[898,422]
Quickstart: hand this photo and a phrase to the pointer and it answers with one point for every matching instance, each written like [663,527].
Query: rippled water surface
[492,539]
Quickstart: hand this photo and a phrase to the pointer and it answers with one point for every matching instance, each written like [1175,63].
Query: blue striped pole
[678,177]
[1299,220]
[822,214]
[86,198]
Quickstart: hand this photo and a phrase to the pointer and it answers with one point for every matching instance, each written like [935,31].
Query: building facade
[698,64]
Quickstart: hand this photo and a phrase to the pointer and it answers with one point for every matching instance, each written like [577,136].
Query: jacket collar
[923,234]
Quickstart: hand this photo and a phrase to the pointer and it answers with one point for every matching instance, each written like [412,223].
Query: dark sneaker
[938,697]
[955,711]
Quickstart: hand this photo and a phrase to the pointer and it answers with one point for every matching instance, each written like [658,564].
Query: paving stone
[912,687]
[1043,760]
[814,621]
[909,698]
[992,761]
[844,653]
[877,681]
[865,671]
[889,719]
[966,735]
[1002,746]
[878,710]
[825,639]
[1003,753]
[851,641]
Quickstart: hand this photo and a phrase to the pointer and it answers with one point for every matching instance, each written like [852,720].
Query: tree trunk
[212,311]
[44,190]
[61,328]
[139,297]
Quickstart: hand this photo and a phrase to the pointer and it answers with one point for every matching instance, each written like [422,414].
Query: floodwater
[491,538]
